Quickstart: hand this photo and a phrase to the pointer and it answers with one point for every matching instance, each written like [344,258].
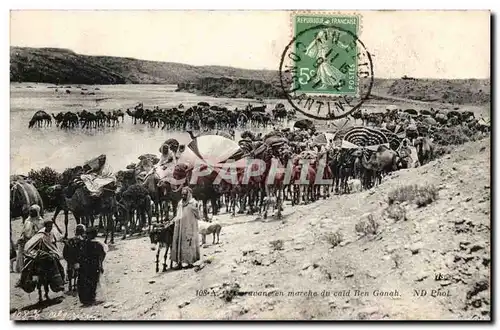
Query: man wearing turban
[186,246]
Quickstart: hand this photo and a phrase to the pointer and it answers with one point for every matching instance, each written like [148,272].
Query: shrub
[396,211]
[43,179]
[367,227]
[440,151]
[334,239]
[398,260]
[419,195]
[277,244]
[229,291]
[454,135]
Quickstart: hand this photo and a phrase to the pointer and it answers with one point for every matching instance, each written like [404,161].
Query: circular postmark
[326,72]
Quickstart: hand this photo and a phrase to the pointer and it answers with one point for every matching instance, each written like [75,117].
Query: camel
[170,196]
[384,160]
[304,124]
[85,207]
[89,119]
[40,118]
[143,175]
[66,119]
[279,112]
[23,194]
[73,196]
[137,113]
[441,118]
[135,198]
[151,182]
[58,118]
[111,119]
[119,113]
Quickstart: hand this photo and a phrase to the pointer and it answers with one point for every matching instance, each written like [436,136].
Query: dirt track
[450,237]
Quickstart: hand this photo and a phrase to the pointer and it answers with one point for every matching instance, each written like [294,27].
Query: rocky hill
[457,91]
[62,66]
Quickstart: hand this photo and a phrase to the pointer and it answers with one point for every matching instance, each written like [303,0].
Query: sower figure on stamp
[186,246]
[328,74]
[91,259]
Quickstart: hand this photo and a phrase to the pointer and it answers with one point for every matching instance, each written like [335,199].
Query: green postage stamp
[327,54]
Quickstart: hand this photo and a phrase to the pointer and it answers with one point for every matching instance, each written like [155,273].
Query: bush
[334,239]
[440,151]
[454,135]
[419,195]
[229,291]
[43,179]
[367,227]
[277,245]
[398,260]
[396,211]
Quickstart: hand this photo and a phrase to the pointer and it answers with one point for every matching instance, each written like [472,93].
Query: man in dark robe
[92,256]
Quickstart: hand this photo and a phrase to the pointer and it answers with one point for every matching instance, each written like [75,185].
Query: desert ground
[314,264]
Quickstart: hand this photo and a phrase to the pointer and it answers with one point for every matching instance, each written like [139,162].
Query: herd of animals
[138,194]
[178,118]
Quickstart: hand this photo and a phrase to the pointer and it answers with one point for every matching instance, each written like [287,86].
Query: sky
[421,44]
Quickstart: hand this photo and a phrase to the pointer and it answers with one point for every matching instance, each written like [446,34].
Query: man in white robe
[31,226]
[186,245]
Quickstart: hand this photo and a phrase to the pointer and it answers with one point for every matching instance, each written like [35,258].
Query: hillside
[62,66]
[456,91]
[467,91]
[443,248]
[52,65]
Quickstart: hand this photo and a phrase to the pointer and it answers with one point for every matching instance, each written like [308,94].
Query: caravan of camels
[354,157]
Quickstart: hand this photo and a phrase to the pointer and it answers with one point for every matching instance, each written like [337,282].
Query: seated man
[167,158]
[167,155]
[43,249]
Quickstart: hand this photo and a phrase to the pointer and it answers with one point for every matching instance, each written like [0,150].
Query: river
[50,146]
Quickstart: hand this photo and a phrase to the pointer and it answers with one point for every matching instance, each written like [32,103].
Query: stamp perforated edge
[294,13]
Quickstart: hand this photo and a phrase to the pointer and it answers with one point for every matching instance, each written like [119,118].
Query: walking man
[91,260]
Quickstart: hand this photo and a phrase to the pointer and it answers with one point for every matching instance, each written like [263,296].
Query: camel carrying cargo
[98,175]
